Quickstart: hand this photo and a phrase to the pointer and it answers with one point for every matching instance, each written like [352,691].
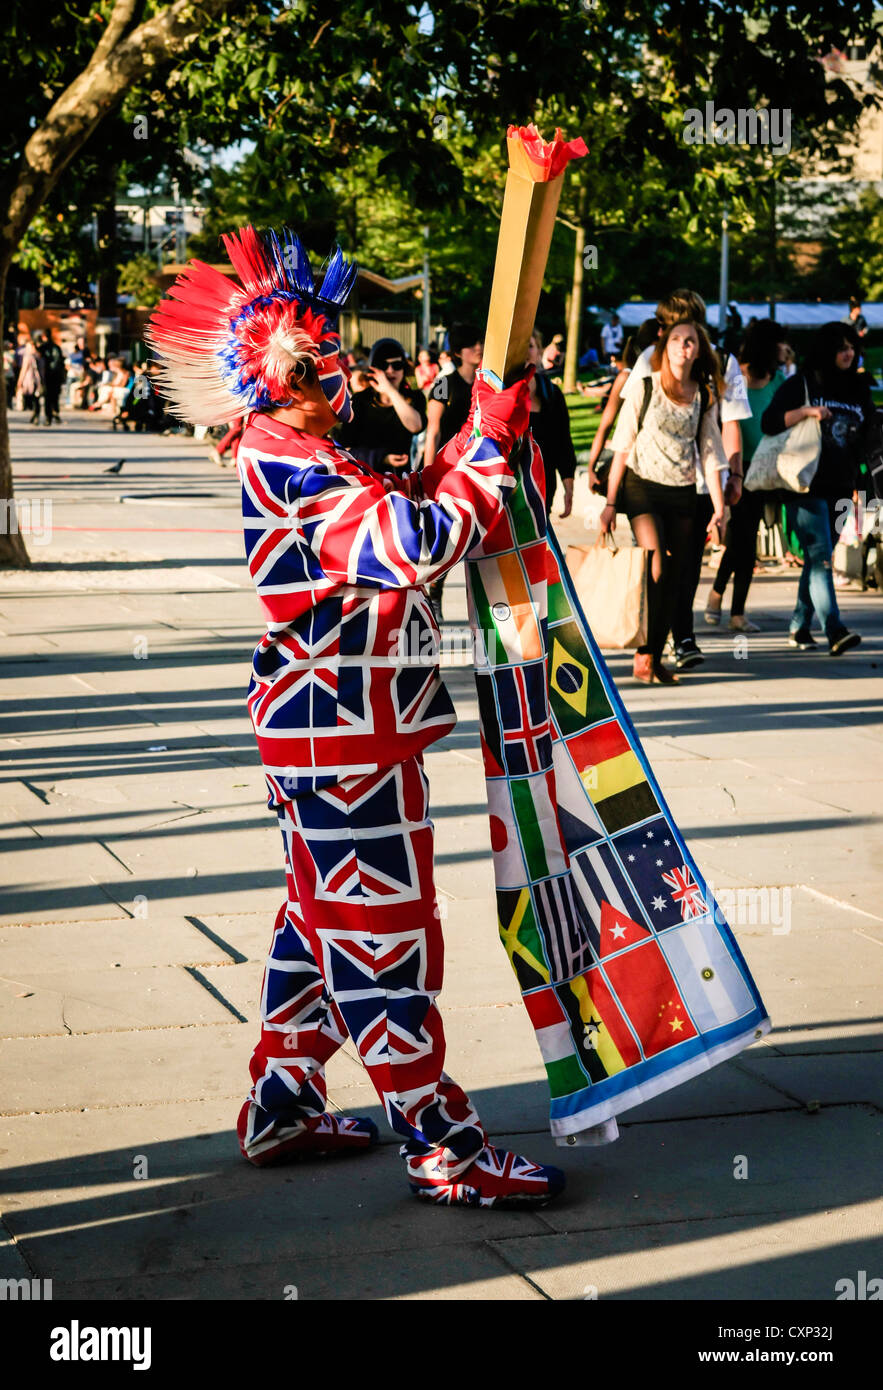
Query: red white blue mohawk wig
[228,349]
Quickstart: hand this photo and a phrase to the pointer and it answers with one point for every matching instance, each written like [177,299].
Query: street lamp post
[426,307]
[723,289]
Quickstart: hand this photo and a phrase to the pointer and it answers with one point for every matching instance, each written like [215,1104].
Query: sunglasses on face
[395,364]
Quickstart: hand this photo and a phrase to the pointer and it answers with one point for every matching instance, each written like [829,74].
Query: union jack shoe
[497,1178]
[324,1134]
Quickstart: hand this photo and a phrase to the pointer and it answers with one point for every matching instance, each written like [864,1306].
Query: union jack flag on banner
[630,975]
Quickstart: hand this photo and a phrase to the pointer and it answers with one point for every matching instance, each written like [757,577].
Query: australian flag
[653,859]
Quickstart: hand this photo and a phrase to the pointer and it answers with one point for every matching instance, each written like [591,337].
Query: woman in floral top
[656,445]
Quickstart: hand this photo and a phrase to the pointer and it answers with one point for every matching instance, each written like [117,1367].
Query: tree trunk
[12,548]
[119,61]
[575,317]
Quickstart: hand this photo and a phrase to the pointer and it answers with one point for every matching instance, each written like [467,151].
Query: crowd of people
[689,420]
[680,424]
[39,378]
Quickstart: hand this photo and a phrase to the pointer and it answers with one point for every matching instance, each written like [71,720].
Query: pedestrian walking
[759,362]
[731,407]
[53,372]
[30,386]
[655,459]
[832,390]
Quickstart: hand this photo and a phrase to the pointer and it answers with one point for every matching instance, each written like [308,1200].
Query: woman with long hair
[831,389]
[759,358]
[656,445]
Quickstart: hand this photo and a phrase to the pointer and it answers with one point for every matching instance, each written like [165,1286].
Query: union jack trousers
[357,950]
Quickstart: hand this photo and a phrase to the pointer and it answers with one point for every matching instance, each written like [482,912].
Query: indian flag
[509,610]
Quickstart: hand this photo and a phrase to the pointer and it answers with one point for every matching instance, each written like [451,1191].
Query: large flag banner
[629,972]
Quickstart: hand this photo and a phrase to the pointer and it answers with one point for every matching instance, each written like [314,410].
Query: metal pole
[426,289]
[724,288]
[180,232]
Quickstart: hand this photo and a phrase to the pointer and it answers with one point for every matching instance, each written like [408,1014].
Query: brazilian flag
[576,691]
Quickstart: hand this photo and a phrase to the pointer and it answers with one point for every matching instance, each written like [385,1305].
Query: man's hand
[395,460]
[568,498]
[504,415]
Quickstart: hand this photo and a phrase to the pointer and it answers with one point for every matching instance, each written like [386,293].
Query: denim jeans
[809,518]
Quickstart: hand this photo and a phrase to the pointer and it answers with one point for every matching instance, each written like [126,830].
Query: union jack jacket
[341,683]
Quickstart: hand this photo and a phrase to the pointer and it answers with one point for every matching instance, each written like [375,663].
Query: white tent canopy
[794,315]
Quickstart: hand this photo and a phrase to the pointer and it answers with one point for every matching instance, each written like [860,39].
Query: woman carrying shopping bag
[832,391]
[655,453]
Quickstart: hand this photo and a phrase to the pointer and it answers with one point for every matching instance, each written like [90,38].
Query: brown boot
[642,670]
[663,675]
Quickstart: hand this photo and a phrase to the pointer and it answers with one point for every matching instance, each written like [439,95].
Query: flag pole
[530,202]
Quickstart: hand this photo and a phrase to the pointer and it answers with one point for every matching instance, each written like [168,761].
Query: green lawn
[584,417]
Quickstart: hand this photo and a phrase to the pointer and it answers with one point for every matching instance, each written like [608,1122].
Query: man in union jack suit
[341,556]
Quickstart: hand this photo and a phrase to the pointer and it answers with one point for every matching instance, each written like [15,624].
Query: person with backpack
[831,389]
[657,439]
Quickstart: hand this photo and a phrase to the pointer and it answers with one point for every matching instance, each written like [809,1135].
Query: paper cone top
[537,159]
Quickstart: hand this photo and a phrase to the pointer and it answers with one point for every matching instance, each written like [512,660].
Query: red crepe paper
[539,159]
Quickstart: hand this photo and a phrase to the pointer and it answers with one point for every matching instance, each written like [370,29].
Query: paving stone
[735,1166]
[801,1258]
[128,941]
[440,1273]
[313,1214]
[826,1077]
[98,1001]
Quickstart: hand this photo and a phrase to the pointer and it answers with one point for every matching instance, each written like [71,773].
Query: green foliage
[58,249]
[138,278]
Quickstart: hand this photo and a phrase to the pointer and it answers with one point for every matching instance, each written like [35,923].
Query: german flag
[612,775]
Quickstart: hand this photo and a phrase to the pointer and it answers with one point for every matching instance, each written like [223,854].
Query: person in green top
[758,359]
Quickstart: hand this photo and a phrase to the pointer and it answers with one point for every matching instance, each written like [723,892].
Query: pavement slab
[142,876]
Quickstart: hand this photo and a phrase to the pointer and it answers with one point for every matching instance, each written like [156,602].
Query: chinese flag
[649,997]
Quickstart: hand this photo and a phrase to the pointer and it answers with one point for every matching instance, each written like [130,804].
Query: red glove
[504,416]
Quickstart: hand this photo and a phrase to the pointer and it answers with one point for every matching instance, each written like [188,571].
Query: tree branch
[88,99]
[120,19]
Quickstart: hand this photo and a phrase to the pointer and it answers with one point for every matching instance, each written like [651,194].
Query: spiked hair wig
[230,348]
